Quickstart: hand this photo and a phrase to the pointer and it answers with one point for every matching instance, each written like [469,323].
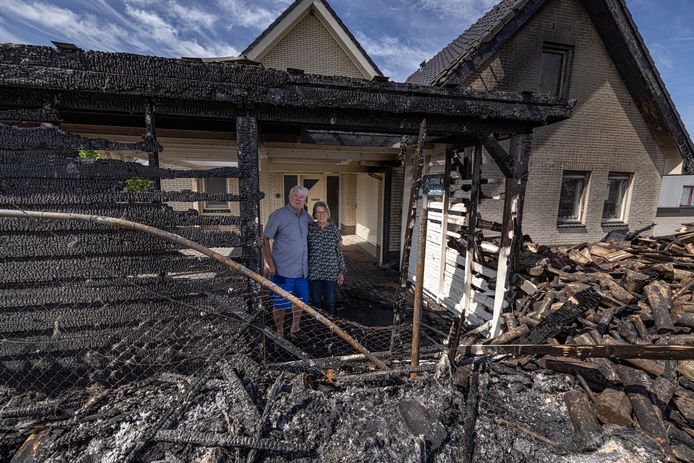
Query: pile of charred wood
[633,296]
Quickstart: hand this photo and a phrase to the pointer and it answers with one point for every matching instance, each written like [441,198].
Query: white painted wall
[671,189]
[367,208]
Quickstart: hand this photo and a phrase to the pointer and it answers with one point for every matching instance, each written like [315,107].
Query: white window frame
[566,52]
[218,209]
[690,200]
[585,176]
[625,196]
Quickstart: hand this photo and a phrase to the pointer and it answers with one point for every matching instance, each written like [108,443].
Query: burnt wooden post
[417,168]
[419,283]
[150,136]
[511,229]
[249,183]
[469,251]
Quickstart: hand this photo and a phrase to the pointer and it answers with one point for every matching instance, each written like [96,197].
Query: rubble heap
[617,292]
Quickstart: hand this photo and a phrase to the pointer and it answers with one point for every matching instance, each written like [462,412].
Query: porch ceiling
[191,147]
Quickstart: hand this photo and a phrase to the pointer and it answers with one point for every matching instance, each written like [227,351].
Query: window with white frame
[555,69]
[214,185]
[614,207]
[572,197]
[687,197]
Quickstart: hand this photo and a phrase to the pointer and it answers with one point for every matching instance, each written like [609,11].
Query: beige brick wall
[275,188]
[178,184]
[396,211]
[605,134]
[309,46]
[348,219]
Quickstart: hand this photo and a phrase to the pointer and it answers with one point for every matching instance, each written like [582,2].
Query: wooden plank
[476,267]
[444,220]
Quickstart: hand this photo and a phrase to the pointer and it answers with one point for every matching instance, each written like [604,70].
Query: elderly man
[287,261]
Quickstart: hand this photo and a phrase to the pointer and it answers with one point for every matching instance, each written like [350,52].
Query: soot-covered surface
[521,418]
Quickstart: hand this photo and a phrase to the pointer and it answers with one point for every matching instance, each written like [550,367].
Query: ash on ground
[489,411]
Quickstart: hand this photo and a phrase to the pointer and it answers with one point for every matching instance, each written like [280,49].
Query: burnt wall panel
[82,302]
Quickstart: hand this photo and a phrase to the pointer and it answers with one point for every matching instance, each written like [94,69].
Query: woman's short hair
[299,189]
[322,204]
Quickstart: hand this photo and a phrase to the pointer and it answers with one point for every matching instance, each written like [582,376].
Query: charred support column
[469,251]
[419,283]
[511,229]
[150,135]
[247,141]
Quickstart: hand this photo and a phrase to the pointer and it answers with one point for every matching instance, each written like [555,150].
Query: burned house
[119,344]
[602,169]
[87,305]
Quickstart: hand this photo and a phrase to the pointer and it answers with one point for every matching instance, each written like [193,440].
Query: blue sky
[397,34]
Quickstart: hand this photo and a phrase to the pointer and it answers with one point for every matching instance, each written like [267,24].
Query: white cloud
[466,10]
[8,37]
[398,60]
[63,24]
[662,56]
[247,14]
[192,17]
[170,38]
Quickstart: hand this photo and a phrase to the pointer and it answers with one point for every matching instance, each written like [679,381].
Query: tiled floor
[369,290]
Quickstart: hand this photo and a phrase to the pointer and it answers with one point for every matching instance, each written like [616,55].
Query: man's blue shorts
[296,286]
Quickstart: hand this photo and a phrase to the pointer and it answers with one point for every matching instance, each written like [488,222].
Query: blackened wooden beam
[151,138]
[249,185]
[503,159]
[118,74]
[54,138]
[511,227]
[44,114]
[520,153]
[609,351]
[104,168]
[470,251]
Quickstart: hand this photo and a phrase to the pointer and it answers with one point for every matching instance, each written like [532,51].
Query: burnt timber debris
[119,346]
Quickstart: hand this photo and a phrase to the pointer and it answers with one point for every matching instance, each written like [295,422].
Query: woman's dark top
[325,259]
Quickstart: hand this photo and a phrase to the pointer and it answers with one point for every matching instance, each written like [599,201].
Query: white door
[316,189]
[367,208]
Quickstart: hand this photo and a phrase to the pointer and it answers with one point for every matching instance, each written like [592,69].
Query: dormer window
[555,69]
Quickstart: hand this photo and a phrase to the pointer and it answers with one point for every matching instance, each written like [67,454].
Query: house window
[215,185]
[573,188]
[555,69]
[615,197]
[687,197]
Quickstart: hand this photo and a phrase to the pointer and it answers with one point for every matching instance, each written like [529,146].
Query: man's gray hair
[299,189]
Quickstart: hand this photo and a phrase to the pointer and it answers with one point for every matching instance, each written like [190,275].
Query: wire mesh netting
[115,332]
[112,329]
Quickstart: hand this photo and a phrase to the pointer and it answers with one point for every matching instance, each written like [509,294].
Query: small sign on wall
[433,185]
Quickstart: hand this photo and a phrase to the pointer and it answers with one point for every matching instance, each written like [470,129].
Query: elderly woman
[326,264]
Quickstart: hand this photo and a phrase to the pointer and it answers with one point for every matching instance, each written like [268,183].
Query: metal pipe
[112,221]
[419,284]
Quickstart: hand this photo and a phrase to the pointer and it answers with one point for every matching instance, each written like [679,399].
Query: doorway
[315,184]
